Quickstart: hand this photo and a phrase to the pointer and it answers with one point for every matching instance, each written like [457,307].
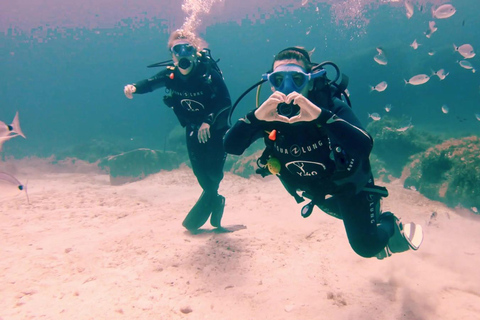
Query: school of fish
[466,51]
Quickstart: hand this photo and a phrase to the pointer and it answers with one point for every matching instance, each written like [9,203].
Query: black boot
[404,236]
[217,211]
[200,212]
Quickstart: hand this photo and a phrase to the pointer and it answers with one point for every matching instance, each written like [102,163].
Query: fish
[445,109]
[431,29]
[440,74]
[466,50]
[444,11]
[5,139]
[477,116]
[375,116]
[5,129]
[380,58]
[388,108]
[431,52]
[409,8]
[9,178]
[379,87]
[417,80]
[14,127]
[466,65]
[415,44]
[404,128]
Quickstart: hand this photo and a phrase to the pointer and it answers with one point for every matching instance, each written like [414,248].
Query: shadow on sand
[226,229]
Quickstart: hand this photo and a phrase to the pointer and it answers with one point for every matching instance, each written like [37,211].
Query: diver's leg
[403,236]
[214,167]
[360,214]
[200,212]
[372,233]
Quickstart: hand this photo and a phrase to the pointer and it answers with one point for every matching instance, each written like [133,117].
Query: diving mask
[183,49]
[290,77]
[185,54]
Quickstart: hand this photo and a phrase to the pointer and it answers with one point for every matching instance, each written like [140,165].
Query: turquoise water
[65,76]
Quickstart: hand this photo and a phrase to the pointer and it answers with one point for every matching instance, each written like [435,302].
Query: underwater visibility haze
[64,64]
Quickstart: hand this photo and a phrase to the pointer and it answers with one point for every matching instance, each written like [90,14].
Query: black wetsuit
[199,97]
[327,159]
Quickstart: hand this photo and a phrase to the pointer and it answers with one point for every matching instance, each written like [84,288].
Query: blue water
[69,90]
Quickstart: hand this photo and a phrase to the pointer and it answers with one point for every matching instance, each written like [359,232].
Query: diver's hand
[308,110]
[129,90]
[204,133]
[268,110]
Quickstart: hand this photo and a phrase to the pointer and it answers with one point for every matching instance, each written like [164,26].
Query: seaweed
[448,172]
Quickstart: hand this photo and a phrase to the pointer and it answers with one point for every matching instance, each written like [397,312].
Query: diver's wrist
[324,116]
[252,117]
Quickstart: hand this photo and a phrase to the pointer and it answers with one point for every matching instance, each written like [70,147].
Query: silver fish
[466,65]
[409,8]
[9,178]
[477,116]
[415,44]
[379,87]
[466,50]
[431,29]
[14,127]
[375,116]
[388,108]
[440,74]
[417,80]
[380,58]
[5,139]
[445,109]
[404,128]
[444,11]
[405,125]
[4,129]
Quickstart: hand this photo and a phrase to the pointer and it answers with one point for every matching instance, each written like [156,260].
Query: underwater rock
[448,172]
[244,166]
[137,164]
[395,141]
[91,150]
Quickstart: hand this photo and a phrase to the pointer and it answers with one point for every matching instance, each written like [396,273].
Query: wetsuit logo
[306,168]
[295,150]
[192,105]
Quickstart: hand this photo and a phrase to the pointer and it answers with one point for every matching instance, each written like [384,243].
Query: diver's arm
[151,84]
[345,128]
[221,103]
[243,133]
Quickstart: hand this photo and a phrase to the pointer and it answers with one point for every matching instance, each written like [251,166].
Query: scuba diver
[320,151]
[197,93]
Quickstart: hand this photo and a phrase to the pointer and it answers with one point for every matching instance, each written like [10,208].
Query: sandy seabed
[83,249]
